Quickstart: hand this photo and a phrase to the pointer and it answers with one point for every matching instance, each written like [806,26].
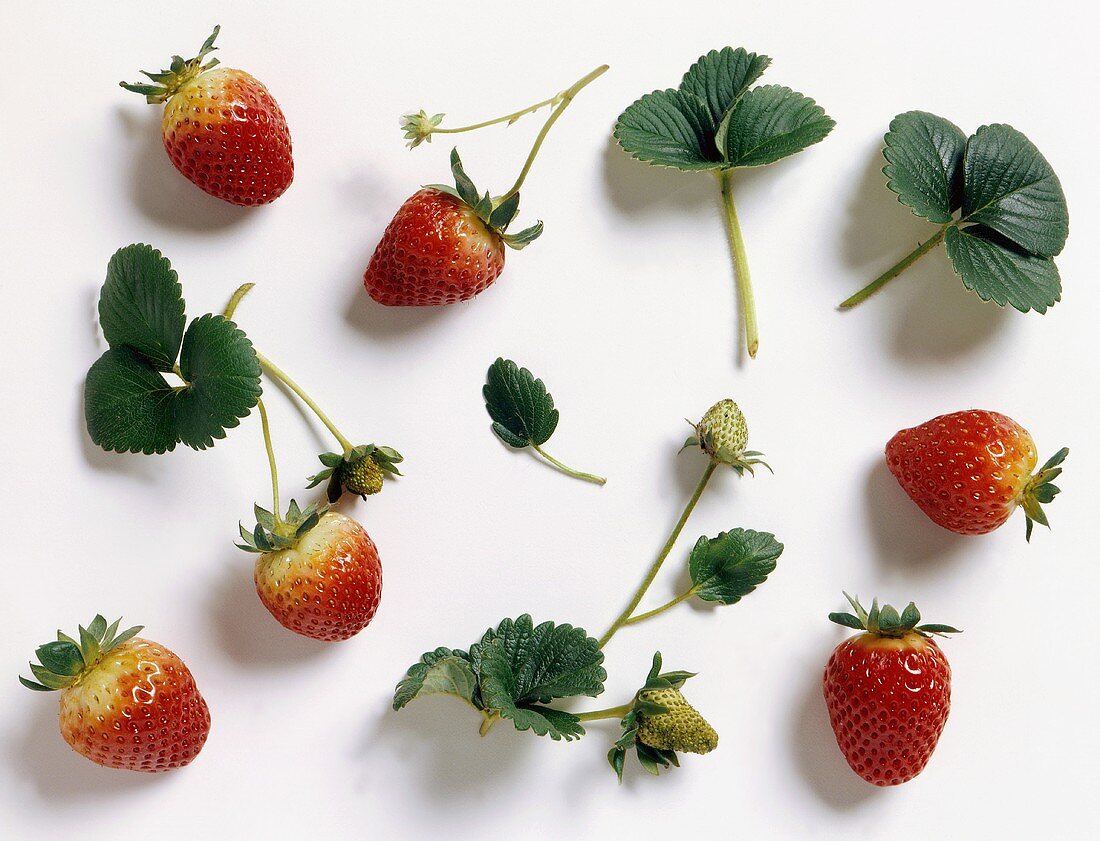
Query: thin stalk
[588,477]
[740,263]
[508,118]
[487,722]
[610,712]
[900,266]
[656,566]
[649,614]
[565,97]
[270,461]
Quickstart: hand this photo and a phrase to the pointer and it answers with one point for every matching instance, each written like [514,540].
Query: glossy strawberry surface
[328,586]
[138,709]
[888,701]
[966,470]
[435,251]
[227,134]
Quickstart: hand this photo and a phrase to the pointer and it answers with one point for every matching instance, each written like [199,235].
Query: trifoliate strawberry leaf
[522,410]
[719,79]
[669,128]
[1010,187]
[769,123]
[998,270]
[733,564]
[924,155]
[223,381]
[128,406]
[141,305]
[444,671]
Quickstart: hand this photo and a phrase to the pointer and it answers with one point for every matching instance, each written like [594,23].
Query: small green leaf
[128,406]
[669,128]
[61,658]
[223,376]
[522,410]
[720,78]
[141,305]
[769,123]
[504,213]
[440,672]
[996,269]
[730,566]
[465,186]
[924,156]
[1010,187]
[522,239]
[847,620]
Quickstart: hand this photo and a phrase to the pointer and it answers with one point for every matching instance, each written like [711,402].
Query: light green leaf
[1010,187]
[223,376]
[440,672]
[669,128]
[141,305]
[522,410]
[769,123]
[996,269]
[128,407]
[720,77]
[733,564]
[924,156]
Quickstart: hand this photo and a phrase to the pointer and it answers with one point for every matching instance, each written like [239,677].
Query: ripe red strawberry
[444,245]
[968,471]
[888,691]
[318,572]
[222,129]
[126,702]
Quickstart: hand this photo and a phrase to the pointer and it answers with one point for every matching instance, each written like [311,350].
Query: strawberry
[968,471]
[359,470]
[318,572]
[222,129]
[723,435]
[678,728]
[126,702]
[444,245]
[888,691]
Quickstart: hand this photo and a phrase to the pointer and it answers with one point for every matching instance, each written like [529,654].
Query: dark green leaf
[521,239]
[1010,187]
[727,567]
[440,672]
[223,377]
[141,305]
[543,721]
[505,212]
[925,155]
[996,269]
[910,616]
[128,407]
[720,77]
[61,658]
[465,186]
[30,684]
[938,629]
[522,410]
[847,620]
[769,123]
[669,128]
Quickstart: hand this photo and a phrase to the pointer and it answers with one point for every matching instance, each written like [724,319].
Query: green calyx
[180,72]
[497,214]
[723,434]
[65,661]
[419,127]
[1041,489]
[273,533]
[887,622]
[361,470]
[661,722]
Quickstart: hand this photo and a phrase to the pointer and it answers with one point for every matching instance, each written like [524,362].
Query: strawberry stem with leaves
[895,270]
[740,263]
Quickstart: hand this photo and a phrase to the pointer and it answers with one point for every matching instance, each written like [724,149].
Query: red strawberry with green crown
[888,691]
[126,702]
[969,471]
[221,128]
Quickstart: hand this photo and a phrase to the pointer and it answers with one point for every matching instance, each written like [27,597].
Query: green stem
[740,263]
[270,461]
[900,266]
[610,712]
[588,477]
[649,614]
[508,118]
[565,97]
[656,566]
[487,722]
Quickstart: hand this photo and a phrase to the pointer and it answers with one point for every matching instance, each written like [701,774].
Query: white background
[625,307]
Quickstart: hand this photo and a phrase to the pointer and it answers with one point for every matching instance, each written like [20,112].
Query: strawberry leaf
[730,566]
[669,128]
[769,123]
[924,155]
[463,183]
[719,79]
[522,410]
[440,672]
[1010,187]
[996,269]
[141,305]
[128,404]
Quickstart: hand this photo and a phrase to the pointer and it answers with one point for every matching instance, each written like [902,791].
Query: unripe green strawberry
[723,427]
[363,477]
[680,728]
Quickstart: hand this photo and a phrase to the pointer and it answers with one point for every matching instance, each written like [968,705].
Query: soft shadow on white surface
[57,774]
[635,187]
[904,537]
[816,754]
[381,322]
[159,191]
